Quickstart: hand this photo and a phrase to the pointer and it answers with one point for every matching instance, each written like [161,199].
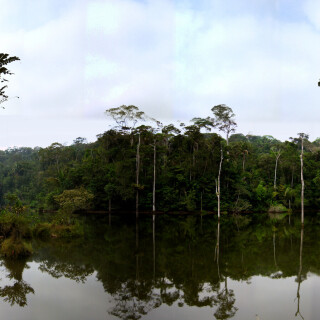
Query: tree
[224,119]
[76,199]
[126,117]
[218,191]
[276,151]
[5,59]
[302,137]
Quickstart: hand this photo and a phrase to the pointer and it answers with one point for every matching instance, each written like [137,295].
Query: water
[251,268]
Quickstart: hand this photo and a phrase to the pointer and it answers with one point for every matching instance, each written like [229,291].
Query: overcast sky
[174,59]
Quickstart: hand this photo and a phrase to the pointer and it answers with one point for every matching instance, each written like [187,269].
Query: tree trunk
[302,184]
[218,183]
[154,179]
[137,176]
[275,171]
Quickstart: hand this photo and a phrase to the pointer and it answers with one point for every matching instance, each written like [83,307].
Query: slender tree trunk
[137,176]
[302,184]
[154,179]
[218,183]
[275,172]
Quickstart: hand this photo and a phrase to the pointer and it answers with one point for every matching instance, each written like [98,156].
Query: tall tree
[224,119]
[5,59]
[126,118]
[276,151]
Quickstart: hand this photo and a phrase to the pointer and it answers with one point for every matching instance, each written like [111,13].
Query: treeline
[140,164]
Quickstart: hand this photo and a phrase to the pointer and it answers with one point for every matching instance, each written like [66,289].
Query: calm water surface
[249,268]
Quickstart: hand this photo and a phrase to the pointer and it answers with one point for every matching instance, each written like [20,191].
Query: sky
[174,59]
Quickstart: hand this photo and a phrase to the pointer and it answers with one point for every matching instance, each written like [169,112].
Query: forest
[141,165]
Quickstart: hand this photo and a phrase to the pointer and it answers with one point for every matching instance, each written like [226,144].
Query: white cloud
[175,60]
[312,10]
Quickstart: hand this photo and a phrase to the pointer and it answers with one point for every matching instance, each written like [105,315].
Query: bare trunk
[218,183]
[275,172]
[154,179]
[302,185]
[137,177]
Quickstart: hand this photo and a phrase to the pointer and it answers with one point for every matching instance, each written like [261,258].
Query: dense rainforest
[141,164]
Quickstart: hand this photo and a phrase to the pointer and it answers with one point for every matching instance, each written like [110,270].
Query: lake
[253,267]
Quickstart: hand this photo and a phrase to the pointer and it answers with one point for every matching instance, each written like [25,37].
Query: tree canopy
[5,59]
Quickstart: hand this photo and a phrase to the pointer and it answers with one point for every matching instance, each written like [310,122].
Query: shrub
[15,247]
[75,199]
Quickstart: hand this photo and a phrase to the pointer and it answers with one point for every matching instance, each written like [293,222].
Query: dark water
[249,268]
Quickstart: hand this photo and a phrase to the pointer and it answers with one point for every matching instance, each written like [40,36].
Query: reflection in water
[299,280]
[135,297]
[224,299]
[16,293]
[217,249]
[178,268]
[154,244]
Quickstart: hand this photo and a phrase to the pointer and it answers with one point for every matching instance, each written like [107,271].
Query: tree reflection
[225,299]
[132,301]
[299,277]
[63,269]
[16,293]
[135,297]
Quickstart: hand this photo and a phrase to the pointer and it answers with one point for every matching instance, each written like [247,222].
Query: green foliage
[89,175]
[277,208]
[15,248]
[76,199]
[14,204]
[261,192]
[5,59]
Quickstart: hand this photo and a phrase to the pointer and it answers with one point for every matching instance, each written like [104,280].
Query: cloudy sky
[174,59]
